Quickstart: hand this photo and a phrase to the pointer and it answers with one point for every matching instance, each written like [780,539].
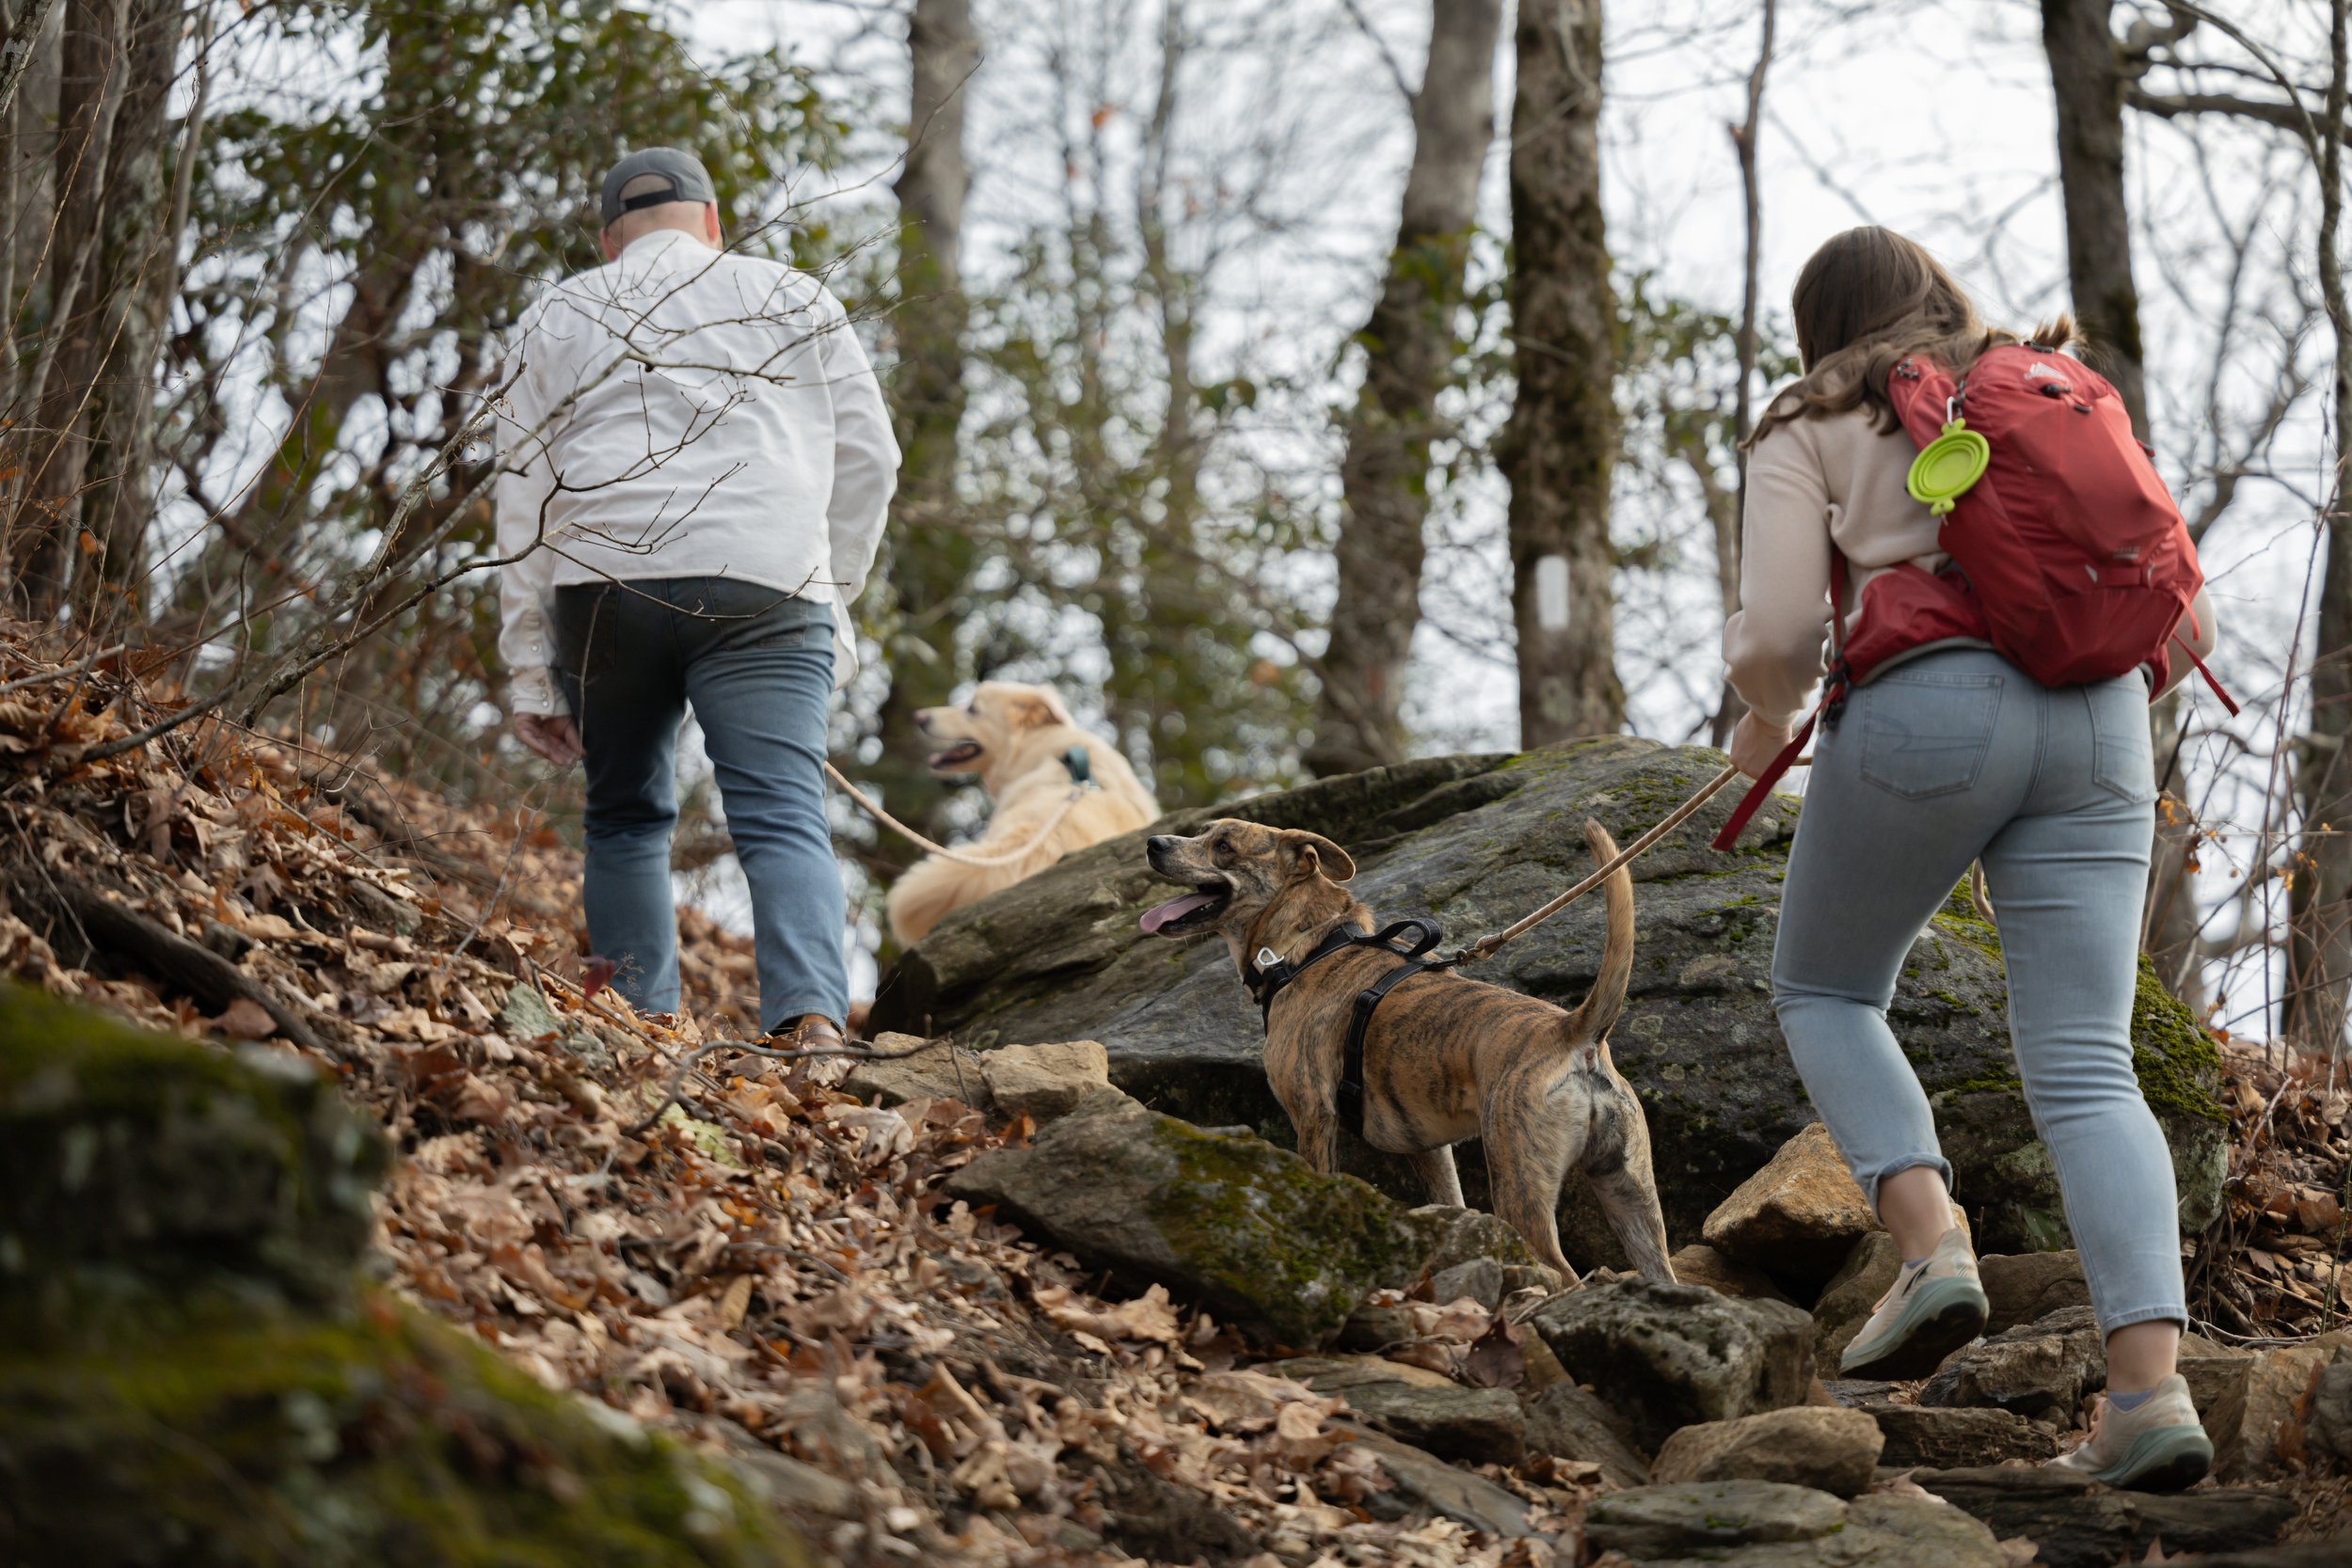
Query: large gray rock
[2273,1400]
[1045,1081]
[1667,1357]
[917,1068]
[1234,1225]
[1799,1217]
[2039,1369]
[1701,1265]
[1763,1524]
[1951,1438]
[2327,1427]
[2219,1378]
[1476,842]
[1419,1480]
[132,1165]
[1852,1294]
[1569,1421]
[1825,1447]
[1429,1410]
[2021,1287]
[2079,1523]
[1652,1522]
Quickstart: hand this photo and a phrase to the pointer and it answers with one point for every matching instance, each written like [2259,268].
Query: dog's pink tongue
[1175,909]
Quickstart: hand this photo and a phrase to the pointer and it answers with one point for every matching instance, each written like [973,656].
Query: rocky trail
[344,1219]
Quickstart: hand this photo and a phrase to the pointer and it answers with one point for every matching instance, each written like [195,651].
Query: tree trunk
[2087,82]
[45,528]
[2088,75]
[2319,952]
[137,265]
[930,557]
[1562,439]
[1411,341]
[1729,708]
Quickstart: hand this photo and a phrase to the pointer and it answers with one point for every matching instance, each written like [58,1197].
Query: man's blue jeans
[756,666]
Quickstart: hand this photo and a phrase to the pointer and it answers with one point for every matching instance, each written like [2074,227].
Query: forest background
[1296,385]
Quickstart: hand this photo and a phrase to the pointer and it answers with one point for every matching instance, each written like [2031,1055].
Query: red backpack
[2068,556]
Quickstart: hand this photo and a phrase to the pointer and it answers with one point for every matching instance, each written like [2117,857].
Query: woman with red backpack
[1986,699]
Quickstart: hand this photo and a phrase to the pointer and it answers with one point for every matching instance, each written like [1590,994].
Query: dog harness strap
[1359,1022]
[1267,981]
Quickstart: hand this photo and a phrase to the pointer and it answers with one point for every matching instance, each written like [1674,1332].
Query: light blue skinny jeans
[1954,756]
[756,666]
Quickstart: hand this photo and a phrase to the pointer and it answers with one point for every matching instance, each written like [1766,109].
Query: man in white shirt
[697,464]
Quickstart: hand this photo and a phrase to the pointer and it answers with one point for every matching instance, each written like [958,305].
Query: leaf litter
[725,1248]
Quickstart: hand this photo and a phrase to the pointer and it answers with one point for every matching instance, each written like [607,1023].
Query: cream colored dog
[1014,736]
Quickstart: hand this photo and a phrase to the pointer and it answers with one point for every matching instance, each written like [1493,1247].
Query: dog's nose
[1159,843]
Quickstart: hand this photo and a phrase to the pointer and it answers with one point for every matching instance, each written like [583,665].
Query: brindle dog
[1446,1058]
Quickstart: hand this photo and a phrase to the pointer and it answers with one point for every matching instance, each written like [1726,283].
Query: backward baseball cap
[687,181]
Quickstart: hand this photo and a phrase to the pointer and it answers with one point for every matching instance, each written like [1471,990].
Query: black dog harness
[1267,978]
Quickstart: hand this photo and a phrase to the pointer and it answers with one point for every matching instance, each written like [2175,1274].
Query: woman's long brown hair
[1866,301]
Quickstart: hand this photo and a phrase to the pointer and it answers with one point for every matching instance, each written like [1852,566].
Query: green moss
[382,1438]
[148,1161]
[2178,1064]
[1257,1226]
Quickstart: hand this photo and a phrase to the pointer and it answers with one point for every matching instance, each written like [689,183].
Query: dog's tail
[1597,1014]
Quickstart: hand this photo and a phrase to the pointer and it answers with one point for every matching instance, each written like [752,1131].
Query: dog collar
[1266,973]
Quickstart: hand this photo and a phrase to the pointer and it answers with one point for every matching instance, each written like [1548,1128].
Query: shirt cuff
[532,691]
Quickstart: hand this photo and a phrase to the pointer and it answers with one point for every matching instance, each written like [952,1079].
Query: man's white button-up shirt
[685,412]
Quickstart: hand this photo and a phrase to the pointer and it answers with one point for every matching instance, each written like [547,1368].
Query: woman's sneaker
[1934,1307]
[2159,1447]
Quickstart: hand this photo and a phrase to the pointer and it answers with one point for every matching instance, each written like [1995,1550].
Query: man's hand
[1754,745]
[553,735]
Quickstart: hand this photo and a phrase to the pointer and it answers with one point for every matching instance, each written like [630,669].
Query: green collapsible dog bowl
[1947,467]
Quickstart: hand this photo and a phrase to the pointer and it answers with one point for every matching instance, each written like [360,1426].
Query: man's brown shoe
[814,1032]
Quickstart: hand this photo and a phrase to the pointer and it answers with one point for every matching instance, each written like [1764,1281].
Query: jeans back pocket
[1925,735]
[2123,745]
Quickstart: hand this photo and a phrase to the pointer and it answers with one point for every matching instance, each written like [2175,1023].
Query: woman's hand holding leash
[1755,744]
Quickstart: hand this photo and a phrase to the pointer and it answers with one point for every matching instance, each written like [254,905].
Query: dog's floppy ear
[1037,709]
[1312,852]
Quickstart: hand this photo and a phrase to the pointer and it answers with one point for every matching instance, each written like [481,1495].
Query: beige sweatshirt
[1811,480]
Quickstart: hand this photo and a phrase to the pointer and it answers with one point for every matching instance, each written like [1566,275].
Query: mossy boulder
[1476,842]
[376,1439]
[192,1373]
[1230,1224]
[130,1163]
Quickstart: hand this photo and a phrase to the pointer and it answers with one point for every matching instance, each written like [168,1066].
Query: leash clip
[1267,957]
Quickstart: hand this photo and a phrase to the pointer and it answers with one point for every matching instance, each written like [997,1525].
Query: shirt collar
[655,241]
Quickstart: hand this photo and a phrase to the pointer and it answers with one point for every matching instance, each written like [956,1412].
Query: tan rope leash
[1485,946]
[984,863]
